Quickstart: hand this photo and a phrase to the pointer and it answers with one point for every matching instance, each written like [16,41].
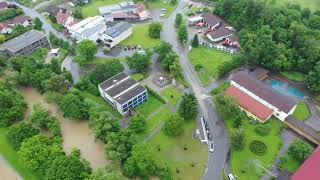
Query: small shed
[194,20]
[54,51]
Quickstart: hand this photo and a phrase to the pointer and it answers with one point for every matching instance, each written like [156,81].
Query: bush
[263,129]
[258,147]
[155,94]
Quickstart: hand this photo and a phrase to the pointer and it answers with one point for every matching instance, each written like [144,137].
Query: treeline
[10,13]
[279,38]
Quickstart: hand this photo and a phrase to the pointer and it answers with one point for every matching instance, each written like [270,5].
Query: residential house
[211,21]
[124,10]
[25,43]
[3,5]
[91,28]
[117,33]
[310,169]
[65,18]
[20,20]
[5,29]
[53,10]
[257,99]
[123,93]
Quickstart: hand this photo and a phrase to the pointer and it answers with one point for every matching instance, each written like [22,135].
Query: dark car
[209,136]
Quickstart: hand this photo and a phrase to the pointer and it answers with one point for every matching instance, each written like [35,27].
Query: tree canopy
[139,62]
[154,30]
[188,108]
[173,125]
[86,49]
[138,124]
[300,150]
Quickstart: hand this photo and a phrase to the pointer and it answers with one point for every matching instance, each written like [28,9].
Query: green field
[159,4]
[173,154]
[12,157]
[302,111]
[91,9]
[311,4]
[172,94]
[139,76]
[141,37]
[101,60]
[209,59]
[157,118]
[293,75]
[149,106]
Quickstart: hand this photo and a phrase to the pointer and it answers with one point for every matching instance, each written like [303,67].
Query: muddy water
[75,134]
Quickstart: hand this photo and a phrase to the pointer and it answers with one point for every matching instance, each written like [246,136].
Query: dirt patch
[74,133]
[6,172]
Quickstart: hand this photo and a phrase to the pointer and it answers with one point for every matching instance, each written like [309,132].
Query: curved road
[216,160]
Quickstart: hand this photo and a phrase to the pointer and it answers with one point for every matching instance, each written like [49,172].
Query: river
[75,134]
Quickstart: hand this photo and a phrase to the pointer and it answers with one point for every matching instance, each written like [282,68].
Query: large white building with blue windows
[123,93]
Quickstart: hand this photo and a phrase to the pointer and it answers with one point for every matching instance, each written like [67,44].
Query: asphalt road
[216,160]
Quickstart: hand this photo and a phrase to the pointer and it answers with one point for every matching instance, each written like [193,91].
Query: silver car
[211,147]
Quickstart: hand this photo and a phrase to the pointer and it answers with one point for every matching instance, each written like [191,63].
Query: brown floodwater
[75,134]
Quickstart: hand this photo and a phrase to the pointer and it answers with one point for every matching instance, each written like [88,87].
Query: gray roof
[117,29]
[22,40]
[122,87]
[90,31]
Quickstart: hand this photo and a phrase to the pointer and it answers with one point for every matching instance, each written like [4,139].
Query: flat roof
[118,29]
[122,87]
[22,40]
[263,91]
[310,169]
[249,103]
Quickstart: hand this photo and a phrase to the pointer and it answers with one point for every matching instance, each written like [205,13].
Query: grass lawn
[139,76]
[293,75]
[101,60]
[311,4]
[291,164]
[12,157]
[157,118]
[173,154]
[172,94]
[99,100]
[159,4]
[140,36]
[149,106]
[210,59]
[302,111]
[91,9]
[220,89]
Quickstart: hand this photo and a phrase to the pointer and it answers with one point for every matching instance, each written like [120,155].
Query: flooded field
[75,134]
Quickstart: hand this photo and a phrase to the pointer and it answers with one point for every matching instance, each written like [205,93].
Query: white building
[259,100]
[117,33]
[91,28]
[123,92]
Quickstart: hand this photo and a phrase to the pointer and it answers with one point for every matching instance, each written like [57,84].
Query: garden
[293,75]
[207,61]
[140,36]
[172,94]
[302,111]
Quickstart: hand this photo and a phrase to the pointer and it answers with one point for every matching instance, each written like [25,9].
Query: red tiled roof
[263,91]
[310,169]
[62,17]
[249,103]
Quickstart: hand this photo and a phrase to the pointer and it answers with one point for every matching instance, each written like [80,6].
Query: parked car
[190,5]
[163,9]
[211,147]
[209,136]
[231,177]
[161,15]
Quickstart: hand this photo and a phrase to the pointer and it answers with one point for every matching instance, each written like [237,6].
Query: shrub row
[258,147]
[155,94]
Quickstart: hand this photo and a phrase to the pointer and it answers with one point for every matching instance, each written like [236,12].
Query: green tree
[37,24]
[176,69]
[43,119]
[38,152]
[169,60]
[57,83]
[173,126]
[178,20]
[73,105]
[195,41]
[138,124]
[106,174]
[183,33]
[300,150]
[86,49]
[12,105]
[78,13]
[139,62]
[140,163]
[2,38]
[238,139]
[163,49]
[67,168]
[105,71]
[19,132]
[102,123]
[313,79]
[188,108]
[314,22]
[154,30]
[263,129]
[52,18]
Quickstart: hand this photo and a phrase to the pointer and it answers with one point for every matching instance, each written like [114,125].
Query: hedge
[155,94]
[258,147]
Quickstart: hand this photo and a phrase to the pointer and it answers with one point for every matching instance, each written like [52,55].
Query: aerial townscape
[160,89]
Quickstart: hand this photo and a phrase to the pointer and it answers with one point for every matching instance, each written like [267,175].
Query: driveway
[207,108]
